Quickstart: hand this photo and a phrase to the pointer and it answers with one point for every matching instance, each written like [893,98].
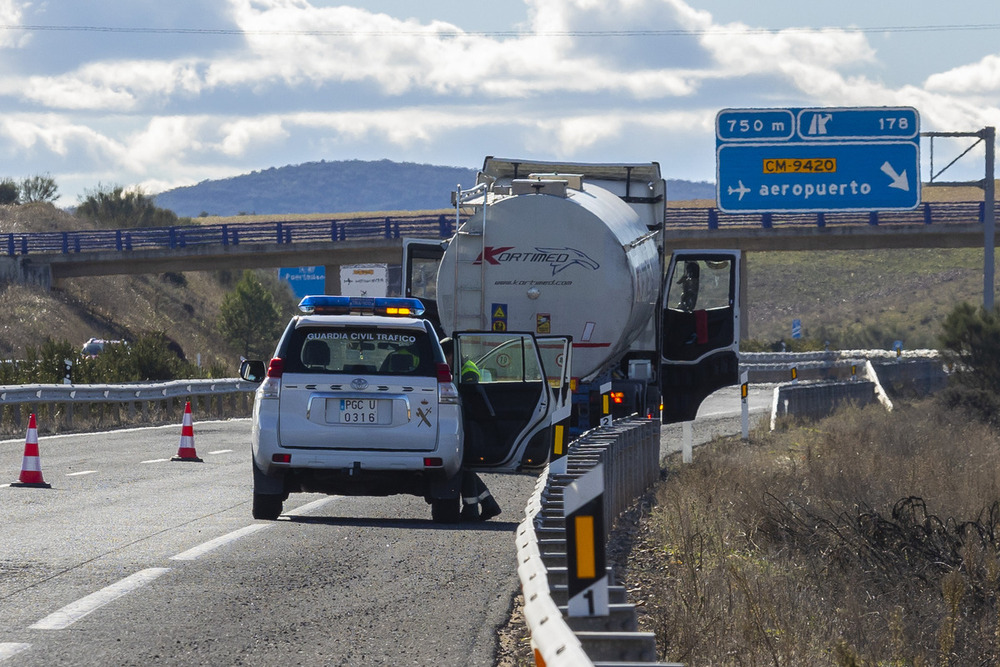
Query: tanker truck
[579,252]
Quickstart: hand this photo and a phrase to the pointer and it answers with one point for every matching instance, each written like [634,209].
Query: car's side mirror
[253,370]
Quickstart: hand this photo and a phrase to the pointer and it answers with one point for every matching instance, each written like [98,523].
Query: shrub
[39,189]
[118,208]
[9,192]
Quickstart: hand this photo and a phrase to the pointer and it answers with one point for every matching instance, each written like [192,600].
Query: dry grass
[867,539]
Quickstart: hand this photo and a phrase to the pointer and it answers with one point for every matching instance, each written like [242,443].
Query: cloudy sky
[162,94]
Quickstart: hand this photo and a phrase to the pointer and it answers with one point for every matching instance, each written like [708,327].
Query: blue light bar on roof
[361,305]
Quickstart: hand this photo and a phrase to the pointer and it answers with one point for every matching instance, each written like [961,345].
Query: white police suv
[358,400]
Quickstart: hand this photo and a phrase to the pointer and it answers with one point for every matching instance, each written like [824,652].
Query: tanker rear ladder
[470,267]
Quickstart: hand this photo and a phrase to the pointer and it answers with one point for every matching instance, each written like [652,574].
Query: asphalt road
[132,559]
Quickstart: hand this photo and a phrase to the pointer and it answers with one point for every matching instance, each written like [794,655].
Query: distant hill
[344,187]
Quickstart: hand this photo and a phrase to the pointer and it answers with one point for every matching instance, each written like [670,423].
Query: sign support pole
[989,220]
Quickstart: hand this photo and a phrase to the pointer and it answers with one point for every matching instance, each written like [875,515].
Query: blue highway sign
[809,160]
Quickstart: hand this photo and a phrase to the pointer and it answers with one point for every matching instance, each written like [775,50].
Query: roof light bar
[361,305]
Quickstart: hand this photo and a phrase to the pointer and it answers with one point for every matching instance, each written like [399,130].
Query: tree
[249,318]
[971,336]
[118,208]
[9,192]
[39,189]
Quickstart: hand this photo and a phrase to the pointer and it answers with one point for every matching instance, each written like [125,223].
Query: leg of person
[470,496]
[490,507]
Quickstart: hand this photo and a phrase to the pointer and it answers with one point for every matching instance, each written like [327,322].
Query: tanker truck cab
[511,406]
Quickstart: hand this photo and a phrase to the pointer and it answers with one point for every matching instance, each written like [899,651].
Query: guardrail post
[236,237]
[713,218]
[388,228]
[10,245]
[278,232]
[927,213]
[118,240]
[128,241]
[65,243]
[333,231]
[873,218]
[766,221]
[24,245]
[821,220]
[225,234]
[76,243]
[172,237]
[444,226]
[982,211]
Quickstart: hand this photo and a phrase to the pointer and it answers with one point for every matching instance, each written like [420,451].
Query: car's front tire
[267,506]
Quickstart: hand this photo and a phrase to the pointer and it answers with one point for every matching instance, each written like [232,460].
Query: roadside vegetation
[867,538]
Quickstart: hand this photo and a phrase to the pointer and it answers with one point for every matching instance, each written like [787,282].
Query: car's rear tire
[445,510]
[267,506]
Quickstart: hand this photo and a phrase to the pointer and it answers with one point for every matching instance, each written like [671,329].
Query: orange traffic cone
[186,450]
[31,465]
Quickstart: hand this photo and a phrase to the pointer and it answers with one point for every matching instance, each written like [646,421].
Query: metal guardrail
[152,398]
[439,226]
[629,451]
[119,393]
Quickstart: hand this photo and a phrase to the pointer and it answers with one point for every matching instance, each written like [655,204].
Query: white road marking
[221,451]
[154,461]
[74,611]
[10,649]
[82,472]
[309,507]
[202,549]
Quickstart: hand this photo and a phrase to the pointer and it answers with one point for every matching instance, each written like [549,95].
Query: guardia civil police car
[358,400]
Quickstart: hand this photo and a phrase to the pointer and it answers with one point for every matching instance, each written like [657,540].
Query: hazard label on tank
[499,316]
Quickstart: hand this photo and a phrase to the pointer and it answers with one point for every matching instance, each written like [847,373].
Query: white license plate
[365,411]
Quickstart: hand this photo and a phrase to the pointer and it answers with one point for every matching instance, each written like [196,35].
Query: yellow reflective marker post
[606,404]
[586,560]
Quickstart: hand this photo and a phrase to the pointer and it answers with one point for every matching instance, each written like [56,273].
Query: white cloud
[243,133]
[11,14]
[307,81]
[976,79]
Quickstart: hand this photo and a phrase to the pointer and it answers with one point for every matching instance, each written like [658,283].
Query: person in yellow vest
[477,501]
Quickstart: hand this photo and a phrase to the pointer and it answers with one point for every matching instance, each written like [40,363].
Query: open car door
[700,330]
[506,401]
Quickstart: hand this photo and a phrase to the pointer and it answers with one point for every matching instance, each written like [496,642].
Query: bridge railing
[438,226]
[182,236]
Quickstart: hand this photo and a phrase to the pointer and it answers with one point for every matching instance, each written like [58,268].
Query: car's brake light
[271,386]
[444,373]
[433,462]
[447,391]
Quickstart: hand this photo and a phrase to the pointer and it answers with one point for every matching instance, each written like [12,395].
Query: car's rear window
[360,350]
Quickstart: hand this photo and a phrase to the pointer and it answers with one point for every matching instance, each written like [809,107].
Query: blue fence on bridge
[441,226]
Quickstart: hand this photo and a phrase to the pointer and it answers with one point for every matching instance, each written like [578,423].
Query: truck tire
[267,506]
[445,510]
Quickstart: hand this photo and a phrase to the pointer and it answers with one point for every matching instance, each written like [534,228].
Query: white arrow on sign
[898,180]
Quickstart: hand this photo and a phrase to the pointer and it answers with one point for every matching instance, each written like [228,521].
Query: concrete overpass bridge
[48,257]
